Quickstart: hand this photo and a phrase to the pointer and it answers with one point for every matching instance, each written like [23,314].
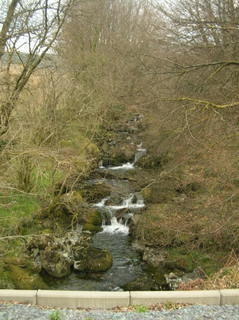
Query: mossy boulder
[24,262]
[150,281]
[96,260]
[55,263]
[118,152]
[95,192]
[68,204]
[69,209]
[93,221]
[23,279]
[65,210]
[153,160]
[23,274]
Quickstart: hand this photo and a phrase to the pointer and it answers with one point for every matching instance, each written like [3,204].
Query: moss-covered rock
[96,260]
[66,204]
[55,263]
[95,192]
[56,255]
[93,221]
[66,210]
[150,281]
[23,274]
[153,160]
[23,279]
[24,262]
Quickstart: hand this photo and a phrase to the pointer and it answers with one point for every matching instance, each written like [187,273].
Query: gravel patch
[196,312]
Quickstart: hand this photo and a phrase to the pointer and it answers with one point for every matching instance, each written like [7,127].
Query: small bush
[141,308]
[55,315]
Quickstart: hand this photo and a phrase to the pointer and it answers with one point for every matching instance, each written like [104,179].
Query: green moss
[90,227]
[187,260]
[96,260]
[24,279]
[64,207]
[94,217]
[93,221]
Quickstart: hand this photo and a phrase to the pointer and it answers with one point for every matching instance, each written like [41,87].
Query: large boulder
[94,192]
[63,210]
[92,221]
[56,264]
[22,273]
[56,254]
[96,260]
[70,210]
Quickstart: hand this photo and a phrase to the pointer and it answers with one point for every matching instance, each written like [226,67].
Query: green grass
[14,209]
[188,260]
[141,308]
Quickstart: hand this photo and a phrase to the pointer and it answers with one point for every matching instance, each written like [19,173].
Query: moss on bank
[22,278]
[16,212]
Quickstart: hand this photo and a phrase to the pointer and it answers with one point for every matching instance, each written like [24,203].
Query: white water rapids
[120,226]
[140,152]
[131,202]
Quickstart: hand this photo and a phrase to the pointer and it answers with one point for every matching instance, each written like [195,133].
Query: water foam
[115,227]
[125,166]
[121,226]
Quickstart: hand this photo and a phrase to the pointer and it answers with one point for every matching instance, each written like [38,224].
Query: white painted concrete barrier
[21,296]
[209,297]
[229,296]
[108,299]
[83,299]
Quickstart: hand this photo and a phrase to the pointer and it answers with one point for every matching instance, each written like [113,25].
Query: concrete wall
[83,299]
[23,296]
[107,300]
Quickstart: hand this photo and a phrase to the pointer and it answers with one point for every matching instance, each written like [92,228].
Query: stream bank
[126,209]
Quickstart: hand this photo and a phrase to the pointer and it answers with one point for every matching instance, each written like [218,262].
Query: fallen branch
[23,237]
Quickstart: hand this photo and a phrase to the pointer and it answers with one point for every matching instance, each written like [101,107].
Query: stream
[116,211]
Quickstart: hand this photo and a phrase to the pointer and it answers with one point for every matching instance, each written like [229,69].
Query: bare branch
[204,103]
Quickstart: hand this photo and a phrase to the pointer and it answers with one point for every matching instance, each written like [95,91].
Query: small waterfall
[140,152]
[116,227]
[119,226]
[125,166]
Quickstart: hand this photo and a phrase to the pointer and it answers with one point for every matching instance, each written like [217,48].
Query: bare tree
[104,47]
[32,26]
[203,38]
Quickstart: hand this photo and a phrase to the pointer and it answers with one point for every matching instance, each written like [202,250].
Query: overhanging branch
[205,103]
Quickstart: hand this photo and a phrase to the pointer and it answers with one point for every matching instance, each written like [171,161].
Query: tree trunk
[6,25]
[5,112]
